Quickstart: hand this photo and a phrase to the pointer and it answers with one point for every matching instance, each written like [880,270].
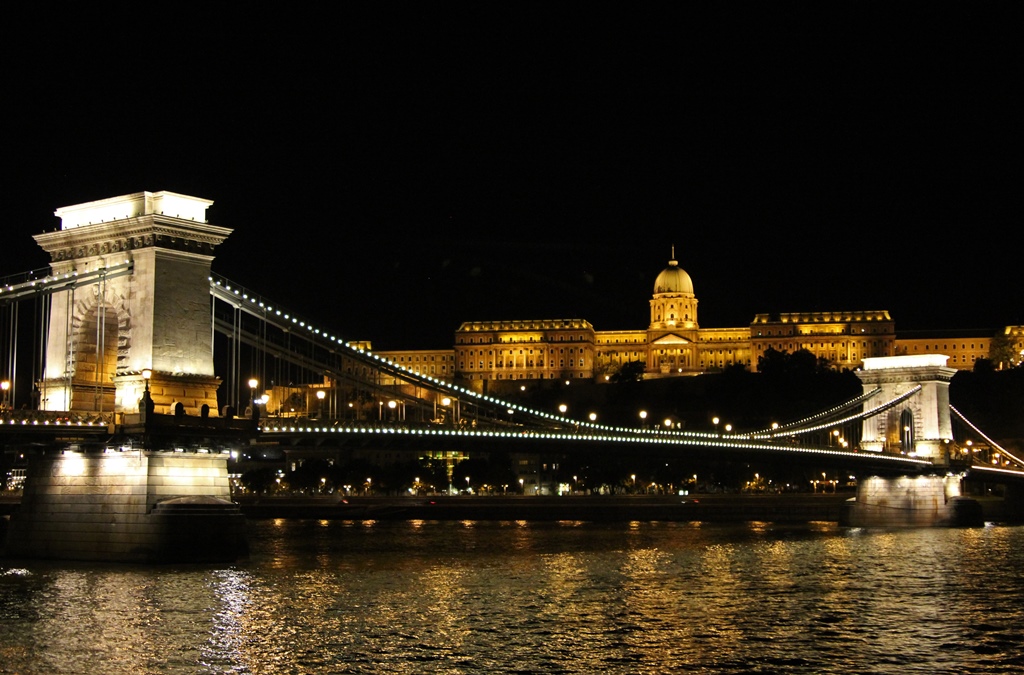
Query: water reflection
[571,597]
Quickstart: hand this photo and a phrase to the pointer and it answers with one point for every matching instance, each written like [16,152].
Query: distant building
[842,338]
[674,344]
[963,347]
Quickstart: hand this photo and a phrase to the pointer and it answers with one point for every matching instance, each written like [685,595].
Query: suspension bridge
[129,357]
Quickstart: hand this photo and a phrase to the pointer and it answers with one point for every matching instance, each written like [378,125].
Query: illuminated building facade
[674,344]
[842,338]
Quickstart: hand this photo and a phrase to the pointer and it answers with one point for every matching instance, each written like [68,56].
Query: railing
[57,418]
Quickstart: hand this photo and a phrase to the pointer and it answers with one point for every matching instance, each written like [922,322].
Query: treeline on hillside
[991,399]
[786,388]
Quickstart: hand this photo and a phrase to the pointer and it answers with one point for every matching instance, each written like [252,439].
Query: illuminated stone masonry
[102,336]
[922,424]
[128,506]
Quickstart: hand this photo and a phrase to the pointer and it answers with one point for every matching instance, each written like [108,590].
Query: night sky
[391,172]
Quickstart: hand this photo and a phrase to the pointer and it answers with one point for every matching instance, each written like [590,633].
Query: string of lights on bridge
[639,436]
[593,430]
[789,429]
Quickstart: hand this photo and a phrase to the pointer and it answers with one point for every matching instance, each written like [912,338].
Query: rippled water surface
[489,597]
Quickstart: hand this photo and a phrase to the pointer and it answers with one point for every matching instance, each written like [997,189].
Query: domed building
[672,345]
[674,334]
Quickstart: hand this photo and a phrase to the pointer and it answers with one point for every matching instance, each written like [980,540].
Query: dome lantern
[673,279]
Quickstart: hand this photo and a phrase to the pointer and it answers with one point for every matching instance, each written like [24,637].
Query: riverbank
[786,508]
[602,508]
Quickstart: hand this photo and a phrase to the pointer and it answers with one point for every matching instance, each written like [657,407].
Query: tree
[433,474]
[259,480]
[1002,353]
[295,403]
[310,475]
[984,366]
[629,372]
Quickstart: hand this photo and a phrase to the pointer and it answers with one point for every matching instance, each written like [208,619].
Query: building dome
[673,279]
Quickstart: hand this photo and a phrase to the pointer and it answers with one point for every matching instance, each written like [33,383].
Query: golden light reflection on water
[233,594]
[475,597]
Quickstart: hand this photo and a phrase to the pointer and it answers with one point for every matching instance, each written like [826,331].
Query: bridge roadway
[705,448]
[40,431]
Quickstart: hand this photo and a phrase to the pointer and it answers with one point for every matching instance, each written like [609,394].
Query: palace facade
[674,344]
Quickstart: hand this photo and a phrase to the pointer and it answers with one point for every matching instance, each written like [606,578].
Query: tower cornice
[152,230]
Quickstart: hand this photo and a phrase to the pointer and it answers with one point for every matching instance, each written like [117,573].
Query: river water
[517,597]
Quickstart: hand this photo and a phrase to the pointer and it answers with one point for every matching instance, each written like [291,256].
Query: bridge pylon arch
[921,425]
[151,312]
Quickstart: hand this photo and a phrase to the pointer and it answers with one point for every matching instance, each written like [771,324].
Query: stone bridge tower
[151,314]
[921,425]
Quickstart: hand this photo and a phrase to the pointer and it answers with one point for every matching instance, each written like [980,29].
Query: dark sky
[391,172]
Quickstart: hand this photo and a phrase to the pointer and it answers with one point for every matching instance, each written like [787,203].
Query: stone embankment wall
[127,506]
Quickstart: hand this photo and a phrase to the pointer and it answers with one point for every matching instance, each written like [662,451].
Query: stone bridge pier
[135,346]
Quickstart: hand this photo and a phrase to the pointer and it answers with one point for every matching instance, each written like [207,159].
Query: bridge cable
[987,439]
[858,400]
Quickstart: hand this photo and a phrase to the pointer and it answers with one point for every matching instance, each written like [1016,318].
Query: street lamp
[643,419]
[715,421]
[562,408]
[451,406]
[6,386]
[146,405]
[320,394]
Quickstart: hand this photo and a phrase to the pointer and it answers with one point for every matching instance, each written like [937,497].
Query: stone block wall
[909,501]
[106,507]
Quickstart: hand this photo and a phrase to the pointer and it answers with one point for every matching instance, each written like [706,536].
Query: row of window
[490,352]
[540,364]
[431,371]
[945,347]
[551,338]
[426,357]
[868,345]
[535,376]
[637,340]
[810,330]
